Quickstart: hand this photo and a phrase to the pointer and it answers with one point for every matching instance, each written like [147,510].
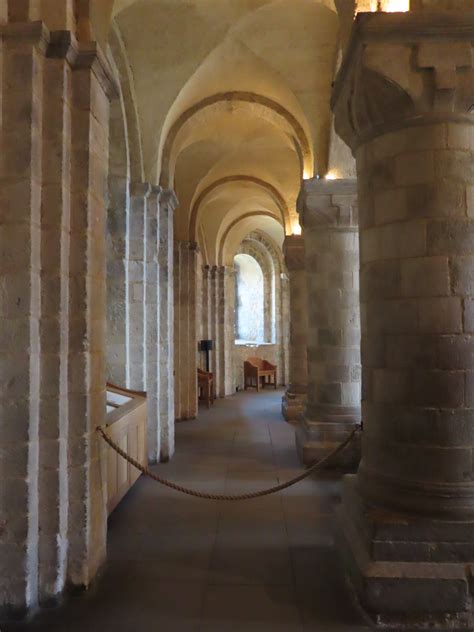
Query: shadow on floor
[179,564]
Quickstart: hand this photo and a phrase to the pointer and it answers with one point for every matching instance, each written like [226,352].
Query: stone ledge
[404,591]
[293,406]
[315,440]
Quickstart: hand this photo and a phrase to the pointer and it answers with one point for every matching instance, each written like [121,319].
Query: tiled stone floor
[179,564]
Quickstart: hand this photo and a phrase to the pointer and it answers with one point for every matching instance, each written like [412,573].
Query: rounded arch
[261,248]
[127,95]
[267,186]
[252,292]
[265,107]
[233,225]
[262,240]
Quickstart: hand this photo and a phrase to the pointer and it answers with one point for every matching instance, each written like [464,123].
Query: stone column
[91,90]
[167,205]
[22,55]
[54,323]
[407,518]
[137,275]
[119,198]
[294,400]
[54,110]
[283,329]
[151,298]
[185,331]
[328,211]
[214,311]
[225,329]
[206,310]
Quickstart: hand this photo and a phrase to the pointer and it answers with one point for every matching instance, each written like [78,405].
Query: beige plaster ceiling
[232,99]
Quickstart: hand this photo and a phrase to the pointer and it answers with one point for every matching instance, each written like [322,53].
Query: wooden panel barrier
[126,426]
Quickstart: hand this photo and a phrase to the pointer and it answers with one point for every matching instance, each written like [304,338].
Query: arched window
[249,311]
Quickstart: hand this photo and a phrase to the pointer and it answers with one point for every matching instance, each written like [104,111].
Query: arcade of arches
[292,180]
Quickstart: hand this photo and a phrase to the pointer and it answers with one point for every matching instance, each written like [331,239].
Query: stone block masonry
[53,176]
[185,329]
[294,400]
[407,518]
[329,216]
[168,203]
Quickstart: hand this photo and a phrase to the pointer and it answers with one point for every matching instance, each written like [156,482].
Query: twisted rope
[197,494]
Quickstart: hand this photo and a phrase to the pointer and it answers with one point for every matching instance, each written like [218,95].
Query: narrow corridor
[179,564]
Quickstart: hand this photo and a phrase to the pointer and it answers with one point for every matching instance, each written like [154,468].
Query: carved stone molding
[329,204]
[35,33]
[404,69]
[293,250]
[90,56]
[63,45]
[140,189]
[155,191]
[169,199]
[224,271]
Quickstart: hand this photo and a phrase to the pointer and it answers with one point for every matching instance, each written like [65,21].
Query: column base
[293,406]
[315,440]
[407,572]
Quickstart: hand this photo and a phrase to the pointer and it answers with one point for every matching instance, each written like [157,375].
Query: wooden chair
[257,371]
[206,386]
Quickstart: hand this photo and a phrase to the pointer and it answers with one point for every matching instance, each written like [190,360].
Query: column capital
[225,270]
[328,203]
[193,246]
[404,69]
[140,189]
[63,45]
[155,191]
[294,253]
[35,33]
[89,56]
[168,197]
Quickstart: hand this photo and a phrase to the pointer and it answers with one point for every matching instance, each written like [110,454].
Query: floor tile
[250,609]
[178,563]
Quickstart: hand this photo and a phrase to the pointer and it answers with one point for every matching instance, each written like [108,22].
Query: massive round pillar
[328,211]
[408,517]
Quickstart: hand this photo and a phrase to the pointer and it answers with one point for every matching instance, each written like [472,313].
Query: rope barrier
[226,497]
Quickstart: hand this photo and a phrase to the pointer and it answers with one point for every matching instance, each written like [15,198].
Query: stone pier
[294,400]
[149,362]
[53,172]
[117,212]
[140,280]
[168,203]
[225,329]
[207,312]
[214,329]
[185,329]
[407,519]
[328,210]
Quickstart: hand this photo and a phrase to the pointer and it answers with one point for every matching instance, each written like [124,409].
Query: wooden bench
[206,386]
[259,372]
